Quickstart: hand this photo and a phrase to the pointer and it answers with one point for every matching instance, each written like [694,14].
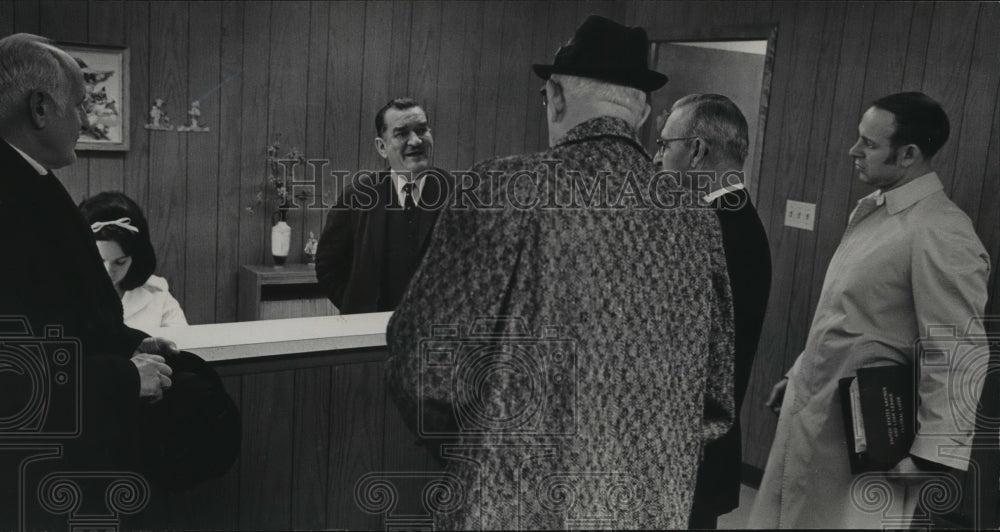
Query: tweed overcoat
[571,326]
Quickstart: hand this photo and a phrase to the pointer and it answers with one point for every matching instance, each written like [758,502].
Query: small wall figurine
[158,117]
[193,113]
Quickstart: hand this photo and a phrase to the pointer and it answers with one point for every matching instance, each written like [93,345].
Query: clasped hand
[154,373]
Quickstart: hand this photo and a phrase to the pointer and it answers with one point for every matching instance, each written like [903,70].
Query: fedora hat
[606,50]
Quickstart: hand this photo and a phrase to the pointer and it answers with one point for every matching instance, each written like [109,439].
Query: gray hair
[628,97]
[717,120]
[29,63]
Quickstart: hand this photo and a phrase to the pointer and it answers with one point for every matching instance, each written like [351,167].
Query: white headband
[124,223]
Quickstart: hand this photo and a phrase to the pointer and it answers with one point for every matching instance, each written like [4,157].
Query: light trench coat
[907,281]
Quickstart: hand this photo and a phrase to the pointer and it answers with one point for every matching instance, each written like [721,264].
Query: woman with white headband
[122,236]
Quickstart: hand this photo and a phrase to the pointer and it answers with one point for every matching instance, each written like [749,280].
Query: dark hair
[399,104]
[716,119]
[919,120]
[109,206]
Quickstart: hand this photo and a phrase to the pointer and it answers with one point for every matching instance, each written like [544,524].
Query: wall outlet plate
[800,215]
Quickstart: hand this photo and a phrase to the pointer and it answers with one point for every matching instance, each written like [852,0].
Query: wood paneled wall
[832,59]
[306,74]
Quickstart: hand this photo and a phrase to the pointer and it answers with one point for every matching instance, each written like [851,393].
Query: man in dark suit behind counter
[377,232]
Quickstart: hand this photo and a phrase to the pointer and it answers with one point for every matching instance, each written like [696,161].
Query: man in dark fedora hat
[576,336]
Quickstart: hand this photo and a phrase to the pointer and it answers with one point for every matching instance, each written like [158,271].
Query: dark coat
[582,355]
[52,275]
[351,249]
[748,261]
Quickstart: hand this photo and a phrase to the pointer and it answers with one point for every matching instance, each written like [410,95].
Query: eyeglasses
[661,143]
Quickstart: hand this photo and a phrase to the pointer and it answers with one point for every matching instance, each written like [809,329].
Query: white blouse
[151,305]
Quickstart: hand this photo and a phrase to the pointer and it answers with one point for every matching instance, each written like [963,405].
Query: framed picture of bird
[105,76]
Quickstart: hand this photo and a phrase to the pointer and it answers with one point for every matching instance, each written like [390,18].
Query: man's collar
[34,164]
[602,126]
[899,199]
[712,196]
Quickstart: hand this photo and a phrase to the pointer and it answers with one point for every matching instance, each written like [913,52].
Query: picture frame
[106,74]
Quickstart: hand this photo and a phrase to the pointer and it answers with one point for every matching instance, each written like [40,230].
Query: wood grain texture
[6,18]
[916,49]
[375,78]
[946,75]
[800,308]
[311,436]
[449,89]
[136,162]
[488,81]
[106,25]
[514,95]
[315,144]
[27,16]
[168,79]
[255,233]
[356,435]
[202,183]
[837,168]
[977,115]
[471,52]
[347,123]
[230,208]
[266,464]
[287,100]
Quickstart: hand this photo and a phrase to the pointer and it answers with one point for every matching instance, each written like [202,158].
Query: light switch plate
[800,215]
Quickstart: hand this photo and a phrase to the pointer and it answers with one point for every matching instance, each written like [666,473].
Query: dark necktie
[408,203]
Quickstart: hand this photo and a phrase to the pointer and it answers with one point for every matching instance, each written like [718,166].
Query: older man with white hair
[53,286]
[571,331]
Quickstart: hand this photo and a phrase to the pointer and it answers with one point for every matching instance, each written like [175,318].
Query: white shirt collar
[710,197]
[399,180]
[34,164]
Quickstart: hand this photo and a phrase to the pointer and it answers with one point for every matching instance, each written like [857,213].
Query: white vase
[281,238]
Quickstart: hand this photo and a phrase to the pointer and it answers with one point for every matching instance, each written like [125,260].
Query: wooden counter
[316,420]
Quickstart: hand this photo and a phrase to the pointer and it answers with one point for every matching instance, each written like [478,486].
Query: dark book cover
[883,410]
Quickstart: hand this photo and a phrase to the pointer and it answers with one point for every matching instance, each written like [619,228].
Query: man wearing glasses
[375,236]
[706,135]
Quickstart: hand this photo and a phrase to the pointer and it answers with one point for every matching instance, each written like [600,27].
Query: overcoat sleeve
[949,273]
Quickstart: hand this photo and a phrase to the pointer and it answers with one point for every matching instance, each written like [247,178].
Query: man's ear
[40,108]
[699,152]
[380,147]
[907,155]
[557,101]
